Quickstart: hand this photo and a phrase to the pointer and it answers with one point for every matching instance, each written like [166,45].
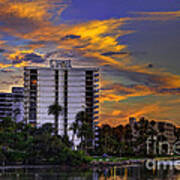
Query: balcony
[96,90]
[96,134]
[95,122]
[96,107]
[96,80]
[96,96]
[96,117]
[96,75]
[96,112]
[96,139]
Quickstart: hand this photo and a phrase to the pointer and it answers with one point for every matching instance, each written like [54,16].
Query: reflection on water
[115,173]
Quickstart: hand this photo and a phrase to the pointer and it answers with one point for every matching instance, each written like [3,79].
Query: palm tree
[76,125]
[46,128]
[81,116]
[55,110]
[83,127]
[80,119]
[152,123]
[86,134]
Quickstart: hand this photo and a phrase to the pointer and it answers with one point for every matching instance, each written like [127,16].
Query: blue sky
[105,9]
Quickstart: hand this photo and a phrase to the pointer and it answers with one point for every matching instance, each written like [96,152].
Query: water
[115,173]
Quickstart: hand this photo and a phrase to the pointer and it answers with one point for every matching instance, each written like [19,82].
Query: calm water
[125,173]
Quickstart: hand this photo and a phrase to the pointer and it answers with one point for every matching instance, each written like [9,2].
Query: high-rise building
[11,104]
[75,89]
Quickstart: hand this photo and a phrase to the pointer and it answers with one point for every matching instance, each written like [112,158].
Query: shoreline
[131,161]
[93,164]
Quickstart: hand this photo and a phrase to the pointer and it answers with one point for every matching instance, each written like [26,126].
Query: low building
[6,105]
[166,130]
[163,132]
[12,104]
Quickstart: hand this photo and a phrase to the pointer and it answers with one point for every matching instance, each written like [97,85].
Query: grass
[119,159]
[112,159]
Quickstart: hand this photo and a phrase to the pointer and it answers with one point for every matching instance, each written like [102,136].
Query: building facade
[12,104]
[75,89]
[6,105]
[164,132]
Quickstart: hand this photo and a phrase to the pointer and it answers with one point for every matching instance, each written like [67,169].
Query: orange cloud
[167,13]
[90,40]
[123,112]
[94,39]
[19,54]
[157,16]
[118,92]
[4,65]
[36,10]
[112,97]
[21,17]
[116,112]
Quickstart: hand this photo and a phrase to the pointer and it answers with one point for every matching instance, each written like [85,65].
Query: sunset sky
[135,42]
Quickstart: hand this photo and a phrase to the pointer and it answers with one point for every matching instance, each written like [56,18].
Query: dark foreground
[132,172]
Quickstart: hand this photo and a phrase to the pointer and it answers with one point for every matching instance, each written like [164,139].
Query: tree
[84,130]
[55,110]
[106,134]
[153,123]
[7,123]
[46,128]
[111,140]
[128,137]
[23,143]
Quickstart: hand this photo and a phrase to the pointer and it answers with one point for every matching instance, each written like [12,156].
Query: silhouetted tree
[55,110]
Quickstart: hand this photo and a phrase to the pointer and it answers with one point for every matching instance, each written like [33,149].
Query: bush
[31,145]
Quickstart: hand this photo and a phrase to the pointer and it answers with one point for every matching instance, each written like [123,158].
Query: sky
[134,42]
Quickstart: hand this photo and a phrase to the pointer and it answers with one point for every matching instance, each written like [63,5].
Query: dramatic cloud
[157,16]
[19,77]
[117,117]
[5,65]
[2,50]
[33,58]
[167,13]
[22,57]
[114,53]
[37,35]
[25,16]
[6,71]
[119,92]
[71,36]
[6,83]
